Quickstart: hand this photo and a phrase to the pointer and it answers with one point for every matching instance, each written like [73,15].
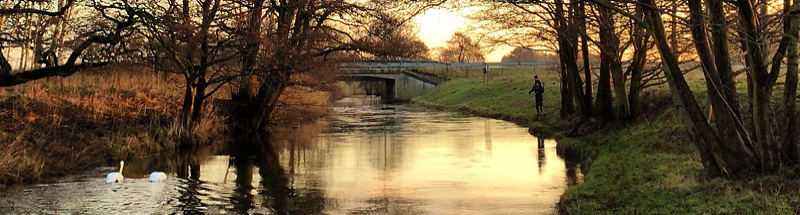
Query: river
[367,158]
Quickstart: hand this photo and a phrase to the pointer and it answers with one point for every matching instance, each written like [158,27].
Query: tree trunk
[186,110]
[636,69]
[250,53]
[587,67]
[23,59]
[673,37]
[209,13]
[725,119]
[567,85]
[567,106]
[38,47]
[707,140]
[790,94]
[3,18]
[749,79]
[199,99]
[722,59]
[269,94]
[60,40]
[619,88]
[763,20]
[603,103]
[609,43]
[569,44]
[763,125]
[634,98]
[57,31]
[763,82]
[5,67]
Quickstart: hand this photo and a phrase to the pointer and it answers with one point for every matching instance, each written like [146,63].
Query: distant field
[494,72]
[695,72]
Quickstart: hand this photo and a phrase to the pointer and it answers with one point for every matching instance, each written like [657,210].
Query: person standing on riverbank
[538,88]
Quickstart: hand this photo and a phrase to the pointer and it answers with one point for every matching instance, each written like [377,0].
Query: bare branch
[16,10]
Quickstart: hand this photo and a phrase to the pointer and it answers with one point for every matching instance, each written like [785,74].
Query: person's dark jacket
[538,88]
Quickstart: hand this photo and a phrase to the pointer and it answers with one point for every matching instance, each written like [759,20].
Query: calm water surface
[369,158]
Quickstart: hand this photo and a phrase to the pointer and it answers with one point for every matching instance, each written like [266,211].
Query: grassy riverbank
[501,98]
[54,127]
[647,167]
[58,126]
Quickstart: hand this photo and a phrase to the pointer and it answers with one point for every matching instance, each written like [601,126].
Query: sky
[436,26]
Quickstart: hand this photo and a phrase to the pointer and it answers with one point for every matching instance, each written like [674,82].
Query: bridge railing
[362,69]
[419,64]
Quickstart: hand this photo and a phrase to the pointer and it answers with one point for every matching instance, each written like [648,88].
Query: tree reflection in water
[242,159]
[278,196]
[573,161]
[273,177]
[189,169]
[541,159]
[488,137]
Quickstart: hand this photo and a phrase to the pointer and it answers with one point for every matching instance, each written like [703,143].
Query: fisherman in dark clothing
[538,88]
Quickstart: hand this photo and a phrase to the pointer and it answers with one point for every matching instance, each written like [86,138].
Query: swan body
[157,176]
[116,176]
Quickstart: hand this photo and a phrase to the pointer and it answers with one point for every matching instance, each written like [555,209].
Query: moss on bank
[647,167]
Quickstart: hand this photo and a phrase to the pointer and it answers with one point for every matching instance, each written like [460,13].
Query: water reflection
[572,173]
[369,159]
[541,159]
[242,197]
[488,136]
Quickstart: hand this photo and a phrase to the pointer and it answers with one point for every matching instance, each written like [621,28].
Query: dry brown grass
[301,105]
[92,118]
[199,134]
[99,117]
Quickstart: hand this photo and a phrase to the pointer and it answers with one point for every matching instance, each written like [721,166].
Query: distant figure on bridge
[538,88]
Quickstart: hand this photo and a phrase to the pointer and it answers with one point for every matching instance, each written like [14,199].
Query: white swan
[157,176]
[116,176]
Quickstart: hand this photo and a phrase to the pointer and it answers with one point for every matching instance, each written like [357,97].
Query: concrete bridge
[398,84]
[402,81]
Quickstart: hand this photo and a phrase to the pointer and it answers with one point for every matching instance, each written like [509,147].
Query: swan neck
[121,165]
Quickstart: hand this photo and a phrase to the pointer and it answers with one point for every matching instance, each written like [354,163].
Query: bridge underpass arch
[401,84]
[383,87]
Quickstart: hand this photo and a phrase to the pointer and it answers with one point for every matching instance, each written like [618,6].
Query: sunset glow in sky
[436,26]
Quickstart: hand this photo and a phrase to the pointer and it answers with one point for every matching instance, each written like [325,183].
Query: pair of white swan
[117,176]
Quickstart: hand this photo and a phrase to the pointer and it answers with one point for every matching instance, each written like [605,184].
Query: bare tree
[521,54]
[190,38]
[462,48]
[388,37]
[727,145]
[114,22]
[307,37]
